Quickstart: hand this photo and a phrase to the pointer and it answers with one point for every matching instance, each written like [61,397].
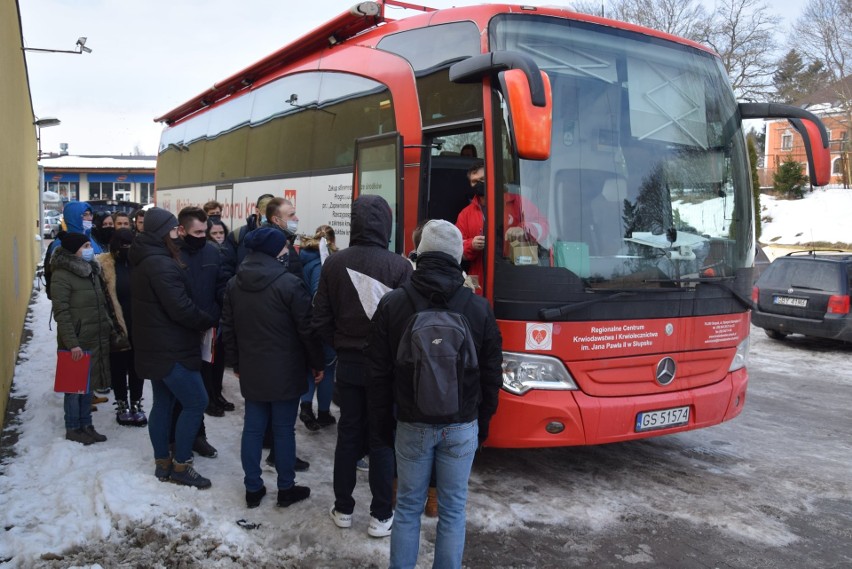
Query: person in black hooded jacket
[266,328]
[167,328]
[422,441]
[351,284]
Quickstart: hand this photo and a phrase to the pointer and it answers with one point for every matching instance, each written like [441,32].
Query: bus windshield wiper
[550,314]
[715,281]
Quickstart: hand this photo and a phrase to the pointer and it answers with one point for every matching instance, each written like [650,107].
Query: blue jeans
[353,442]
[325,388]
[451,449]
[186,386]
[257,416]
[78,410]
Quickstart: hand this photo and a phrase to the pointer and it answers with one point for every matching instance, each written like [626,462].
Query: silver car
[52,223]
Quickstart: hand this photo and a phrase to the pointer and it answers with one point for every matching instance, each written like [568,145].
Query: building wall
[776,154]
[20,246]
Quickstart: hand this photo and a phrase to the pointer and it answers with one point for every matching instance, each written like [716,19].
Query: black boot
[292,495]
[306,415]
[325,419]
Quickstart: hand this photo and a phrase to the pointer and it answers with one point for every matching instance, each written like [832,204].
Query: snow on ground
[58,497]
[823,215]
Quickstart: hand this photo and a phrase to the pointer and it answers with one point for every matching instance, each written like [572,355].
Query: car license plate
[652,420]
[790,301]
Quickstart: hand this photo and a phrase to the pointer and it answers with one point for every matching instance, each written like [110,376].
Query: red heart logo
[539,336]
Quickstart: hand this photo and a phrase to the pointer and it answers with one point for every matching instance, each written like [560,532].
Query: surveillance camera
[81,41]
[86,49]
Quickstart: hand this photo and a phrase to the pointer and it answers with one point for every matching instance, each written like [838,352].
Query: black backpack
[437,347]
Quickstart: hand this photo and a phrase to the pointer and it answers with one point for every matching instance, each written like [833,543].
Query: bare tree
[824,35]
[684,18]
[742,33]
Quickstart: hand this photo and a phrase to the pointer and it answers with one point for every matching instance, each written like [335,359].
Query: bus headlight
[522,372]
[740,358]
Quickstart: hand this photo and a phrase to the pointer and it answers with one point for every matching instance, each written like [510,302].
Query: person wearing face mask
[281,214]
[167,329]
[207,280]
[213,209]
[103,228]
[117,272]
[82,324]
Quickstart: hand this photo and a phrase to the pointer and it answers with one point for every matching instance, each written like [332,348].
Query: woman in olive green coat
[82,324]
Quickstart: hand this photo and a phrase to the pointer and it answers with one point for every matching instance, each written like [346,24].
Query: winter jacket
[266,329]
[207,277]
[354,280]
[116,275]
[72,220]
[236,238]
[79,306]
[167,324]
[437,274]
[311,268]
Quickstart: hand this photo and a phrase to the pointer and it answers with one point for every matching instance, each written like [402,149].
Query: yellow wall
[19,248]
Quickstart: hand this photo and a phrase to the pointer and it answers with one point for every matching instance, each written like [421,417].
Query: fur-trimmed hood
[107,264]
[62,259]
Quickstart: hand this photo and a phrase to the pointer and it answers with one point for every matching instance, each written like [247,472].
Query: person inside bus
[468,151]
[522,219]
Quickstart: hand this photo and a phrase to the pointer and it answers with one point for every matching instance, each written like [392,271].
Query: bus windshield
[647,183]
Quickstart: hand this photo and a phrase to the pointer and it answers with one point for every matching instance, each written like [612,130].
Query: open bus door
[378,171]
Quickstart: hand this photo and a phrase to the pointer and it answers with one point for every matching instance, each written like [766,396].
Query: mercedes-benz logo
[666,369]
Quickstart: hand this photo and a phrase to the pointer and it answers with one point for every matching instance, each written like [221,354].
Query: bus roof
[361,18]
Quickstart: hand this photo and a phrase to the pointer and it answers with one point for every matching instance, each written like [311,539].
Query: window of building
[146,192]
[122,191]
[837,166]
[100,190]
[787,141]
[67,190]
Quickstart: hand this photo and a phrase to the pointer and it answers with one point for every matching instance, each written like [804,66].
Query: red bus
[625,314]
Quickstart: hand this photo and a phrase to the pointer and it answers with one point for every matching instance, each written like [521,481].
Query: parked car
[52,223]
[112,206]
[805,292]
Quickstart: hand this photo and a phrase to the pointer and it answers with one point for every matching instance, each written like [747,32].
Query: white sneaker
[363,465]
[380,528]
[340,520]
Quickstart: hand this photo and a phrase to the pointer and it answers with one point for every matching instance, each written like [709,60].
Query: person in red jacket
[522,220]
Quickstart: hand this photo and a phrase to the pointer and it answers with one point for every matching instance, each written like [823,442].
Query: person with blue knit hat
[266,327]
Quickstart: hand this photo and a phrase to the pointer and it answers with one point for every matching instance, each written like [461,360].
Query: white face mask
[292,226]
[88,254]
[87,225]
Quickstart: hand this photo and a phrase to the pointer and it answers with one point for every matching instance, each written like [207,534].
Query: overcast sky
[150,56]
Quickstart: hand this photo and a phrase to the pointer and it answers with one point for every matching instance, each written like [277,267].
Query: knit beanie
[268,240]
[442,236]
[72,242]
[159,222]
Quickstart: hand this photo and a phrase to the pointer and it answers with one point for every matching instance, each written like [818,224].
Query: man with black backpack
[435,353]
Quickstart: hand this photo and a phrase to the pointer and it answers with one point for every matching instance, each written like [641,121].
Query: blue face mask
[261,220]
[88,254]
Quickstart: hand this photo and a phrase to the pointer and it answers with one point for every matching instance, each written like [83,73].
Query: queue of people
[294,322]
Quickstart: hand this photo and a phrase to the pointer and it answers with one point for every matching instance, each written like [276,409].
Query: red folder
[71,376]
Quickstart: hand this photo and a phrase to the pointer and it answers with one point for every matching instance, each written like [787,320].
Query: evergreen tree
[790,179]
[795,78]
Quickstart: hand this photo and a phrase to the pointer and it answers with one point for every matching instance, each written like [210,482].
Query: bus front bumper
[571,418]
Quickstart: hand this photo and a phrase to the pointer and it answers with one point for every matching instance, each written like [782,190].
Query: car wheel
[52,234]
[775,334]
